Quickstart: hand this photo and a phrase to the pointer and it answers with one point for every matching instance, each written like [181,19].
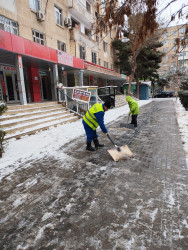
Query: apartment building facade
[173,64]
[45,42]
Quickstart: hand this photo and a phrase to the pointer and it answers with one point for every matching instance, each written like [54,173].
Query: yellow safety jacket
[90,118]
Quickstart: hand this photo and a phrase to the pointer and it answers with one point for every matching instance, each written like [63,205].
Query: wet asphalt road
[88,201]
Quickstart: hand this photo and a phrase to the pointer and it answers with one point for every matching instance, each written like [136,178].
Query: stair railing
[78,107]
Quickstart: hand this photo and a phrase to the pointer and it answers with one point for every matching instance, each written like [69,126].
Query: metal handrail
[77,107]
[118,93]
[73,105]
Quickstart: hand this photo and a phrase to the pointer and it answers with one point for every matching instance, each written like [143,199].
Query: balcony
[78,10]
[76,35]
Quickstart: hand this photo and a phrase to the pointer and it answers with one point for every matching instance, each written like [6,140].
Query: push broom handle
[111,139]
[118,148]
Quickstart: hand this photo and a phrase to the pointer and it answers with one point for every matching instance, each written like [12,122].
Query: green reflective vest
[90,118]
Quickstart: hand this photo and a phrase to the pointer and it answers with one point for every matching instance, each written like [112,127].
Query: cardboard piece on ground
[125,153]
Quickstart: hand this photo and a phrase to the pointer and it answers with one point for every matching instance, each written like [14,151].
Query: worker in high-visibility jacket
[134,109]
[93,118]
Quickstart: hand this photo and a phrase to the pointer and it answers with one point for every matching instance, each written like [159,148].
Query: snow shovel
[124,125]
[119,152]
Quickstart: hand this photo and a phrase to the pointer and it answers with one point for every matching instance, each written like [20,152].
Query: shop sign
[7,68]
[81,95]
[65,58]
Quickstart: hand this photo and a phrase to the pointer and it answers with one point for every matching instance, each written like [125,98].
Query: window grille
[38,37]
[8,25]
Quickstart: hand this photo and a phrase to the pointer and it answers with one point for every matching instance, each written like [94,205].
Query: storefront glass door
[11,87]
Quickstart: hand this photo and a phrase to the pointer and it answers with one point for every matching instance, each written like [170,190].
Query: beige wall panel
[8,14]
[9,5]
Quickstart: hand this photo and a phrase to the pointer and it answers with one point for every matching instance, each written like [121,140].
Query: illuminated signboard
[65,58]
[81,95]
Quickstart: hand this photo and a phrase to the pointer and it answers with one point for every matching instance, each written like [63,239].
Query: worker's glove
[106,134]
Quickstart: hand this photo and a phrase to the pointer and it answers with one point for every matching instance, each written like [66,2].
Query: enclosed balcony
[82,10]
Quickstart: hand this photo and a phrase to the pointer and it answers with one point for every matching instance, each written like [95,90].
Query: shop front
[9,84]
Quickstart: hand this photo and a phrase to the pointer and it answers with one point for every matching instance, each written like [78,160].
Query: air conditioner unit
[68,21]
[40,15]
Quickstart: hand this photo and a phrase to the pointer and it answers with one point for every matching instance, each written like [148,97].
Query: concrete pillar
[80,78]
[55,79]
[20,79]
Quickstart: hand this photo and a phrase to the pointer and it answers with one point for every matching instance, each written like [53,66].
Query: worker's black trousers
[134,120]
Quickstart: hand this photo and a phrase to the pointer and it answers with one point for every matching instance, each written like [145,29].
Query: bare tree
[136,20]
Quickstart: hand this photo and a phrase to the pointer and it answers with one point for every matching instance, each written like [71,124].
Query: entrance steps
[120,100]
[20,120]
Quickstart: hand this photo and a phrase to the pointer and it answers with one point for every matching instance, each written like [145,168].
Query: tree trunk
[137,88]
[133,65]
[130,81]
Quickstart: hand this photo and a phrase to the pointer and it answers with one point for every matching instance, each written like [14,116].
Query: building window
[88,32]
[99,61]
[111,35]
[8,25]
[111,52]
[82,52]
[35,5]
[182,53]
[38,37]
[58,16]
[182,63]
[94,57]
[112,66]
[88,7]
[165,42]
[165,35]
[105,46]
[105,64]
[174,33]
[182,30]
[98,41]
[61,46]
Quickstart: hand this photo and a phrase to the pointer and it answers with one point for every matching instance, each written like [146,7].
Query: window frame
[58,15]
[9,25]
[35,38]
[59,44]
[88,5]
[105,64]
[35,5]
[105,45]
[94,57]
[82,52]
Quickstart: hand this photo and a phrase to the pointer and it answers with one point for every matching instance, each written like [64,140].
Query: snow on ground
[182,117]
[47,143]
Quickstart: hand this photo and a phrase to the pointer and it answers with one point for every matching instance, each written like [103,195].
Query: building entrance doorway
[45,88]
[11,90]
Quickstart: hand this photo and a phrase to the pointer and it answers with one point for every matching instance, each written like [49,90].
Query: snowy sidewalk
[64,197]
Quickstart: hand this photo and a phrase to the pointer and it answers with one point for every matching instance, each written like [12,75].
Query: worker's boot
[89,147]
[97,144]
